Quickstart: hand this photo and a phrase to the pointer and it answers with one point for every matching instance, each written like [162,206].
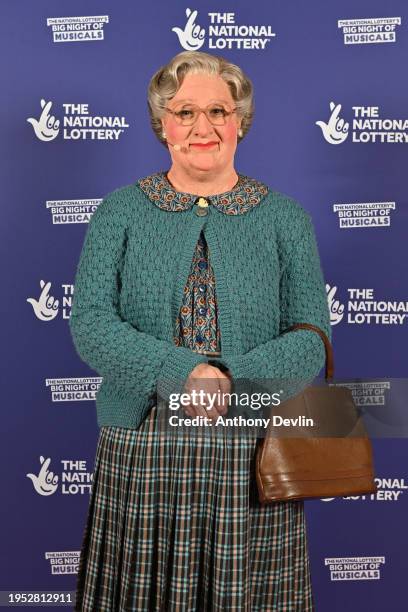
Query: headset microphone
[178,147]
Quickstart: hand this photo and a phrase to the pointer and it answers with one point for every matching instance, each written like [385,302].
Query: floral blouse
[197,323]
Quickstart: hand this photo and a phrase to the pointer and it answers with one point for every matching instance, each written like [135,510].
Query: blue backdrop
[330,130]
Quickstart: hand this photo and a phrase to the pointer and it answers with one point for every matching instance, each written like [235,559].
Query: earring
[164,135]
[240,133]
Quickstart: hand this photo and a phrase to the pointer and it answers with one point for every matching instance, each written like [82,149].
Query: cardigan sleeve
[134,361]
[299,355]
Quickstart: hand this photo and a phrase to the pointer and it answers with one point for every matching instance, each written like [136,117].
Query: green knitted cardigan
[128,289]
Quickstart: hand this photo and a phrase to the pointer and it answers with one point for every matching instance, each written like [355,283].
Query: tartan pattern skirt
[174,525]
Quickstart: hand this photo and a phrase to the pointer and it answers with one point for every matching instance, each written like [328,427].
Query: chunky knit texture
[128,290]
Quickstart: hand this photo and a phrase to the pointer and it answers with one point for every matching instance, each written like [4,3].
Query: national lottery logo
[389,490]
[192,37]
[222,32]
[363,308]
[46,126]
[77,123]
[74,478]
[46,306]
[45,482]
[335,131]
[367,126]
[336,308]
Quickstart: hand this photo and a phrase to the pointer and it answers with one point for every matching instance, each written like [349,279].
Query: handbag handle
[328,347]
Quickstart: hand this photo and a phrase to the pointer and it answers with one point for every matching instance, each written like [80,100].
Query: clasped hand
[210,380]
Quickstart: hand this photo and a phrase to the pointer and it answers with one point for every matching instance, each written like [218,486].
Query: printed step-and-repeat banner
[330,130]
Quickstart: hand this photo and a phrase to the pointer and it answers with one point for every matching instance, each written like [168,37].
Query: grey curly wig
[168,79]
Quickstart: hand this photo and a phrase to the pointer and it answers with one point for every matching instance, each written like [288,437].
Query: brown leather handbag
[310,462]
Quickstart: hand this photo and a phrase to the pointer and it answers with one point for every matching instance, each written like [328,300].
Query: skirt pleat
[174,525]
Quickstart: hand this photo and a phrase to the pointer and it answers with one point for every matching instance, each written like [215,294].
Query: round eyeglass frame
[195,108]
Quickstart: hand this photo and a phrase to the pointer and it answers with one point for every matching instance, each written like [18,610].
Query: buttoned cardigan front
[134,271]
[197,322]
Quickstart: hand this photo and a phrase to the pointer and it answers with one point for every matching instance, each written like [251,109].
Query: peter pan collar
[245,194]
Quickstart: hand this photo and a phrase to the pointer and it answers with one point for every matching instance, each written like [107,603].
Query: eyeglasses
[187,114]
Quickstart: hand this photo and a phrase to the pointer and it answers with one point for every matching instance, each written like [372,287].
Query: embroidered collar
[245,194]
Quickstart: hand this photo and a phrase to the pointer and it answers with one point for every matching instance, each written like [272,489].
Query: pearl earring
[164,135]
[240,133]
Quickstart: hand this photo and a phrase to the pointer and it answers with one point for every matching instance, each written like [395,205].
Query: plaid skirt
[174,525]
